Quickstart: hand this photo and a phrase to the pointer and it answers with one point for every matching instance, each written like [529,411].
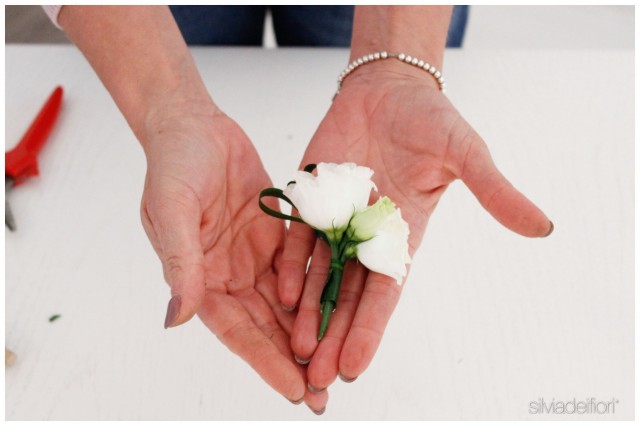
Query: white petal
[327,201]
[388,252]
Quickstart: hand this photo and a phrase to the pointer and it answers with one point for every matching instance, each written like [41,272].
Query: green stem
[329,297]
[327,310]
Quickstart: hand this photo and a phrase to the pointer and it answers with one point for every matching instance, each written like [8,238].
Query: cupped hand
[219,252]
[417,143]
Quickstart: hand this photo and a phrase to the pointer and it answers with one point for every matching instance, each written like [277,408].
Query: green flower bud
[364,224]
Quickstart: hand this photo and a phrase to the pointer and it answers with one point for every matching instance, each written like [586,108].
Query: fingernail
[173,310]
[314,389]
[288,308]
[319,412]
[301,361]
[550,230]
[346,379]
[298,402]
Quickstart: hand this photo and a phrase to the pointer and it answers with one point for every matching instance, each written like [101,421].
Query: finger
[148,228]
[379,298]
[264,318]
[293,263]
[175,226]
[323,368]
[304,337]
[496,194]
[264,308]
[230,321]
[316,401]
[267,287]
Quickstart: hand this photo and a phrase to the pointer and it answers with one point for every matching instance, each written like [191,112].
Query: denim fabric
[221,25]
[313,25]
[458,24]
[293,25]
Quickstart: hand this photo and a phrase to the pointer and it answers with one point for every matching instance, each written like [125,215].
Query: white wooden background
[488,321]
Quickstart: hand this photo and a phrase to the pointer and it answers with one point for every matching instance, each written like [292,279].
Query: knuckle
[270,329]
[292,264]
[173,265]
[317,272]
[300,235]
[348,296]
[384,287]
[371,334]
[495,195]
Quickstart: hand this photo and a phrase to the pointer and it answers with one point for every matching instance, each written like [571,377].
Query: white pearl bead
[400,56]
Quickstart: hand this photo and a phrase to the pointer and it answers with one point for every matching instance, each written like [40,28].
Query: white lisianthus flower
[364,224]
[328,201]
[388,251]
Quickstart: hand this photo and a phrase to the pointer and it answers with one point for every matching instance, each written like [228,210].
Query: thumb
[178,233]
[496,194]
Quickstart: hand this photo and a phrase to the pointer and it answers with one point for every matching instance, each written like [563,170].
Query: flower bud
[364,224]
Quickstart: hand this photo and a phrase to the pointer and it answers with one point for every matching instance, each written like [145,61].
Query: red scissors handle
[21,162]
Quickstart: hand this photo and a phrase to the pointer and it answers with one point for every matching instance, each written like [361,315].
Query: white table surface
[488,320]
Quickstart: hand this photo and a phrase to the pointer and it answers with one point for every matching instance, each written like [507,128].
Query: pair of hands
[246,276]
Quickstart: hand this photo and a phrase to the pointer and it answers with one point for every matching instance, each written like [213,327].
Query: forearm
[420,31]
[140,56]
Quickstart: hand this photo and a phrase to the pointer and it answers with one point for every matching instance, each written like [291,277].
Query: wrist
[419,31]
[179,109]
[391,70]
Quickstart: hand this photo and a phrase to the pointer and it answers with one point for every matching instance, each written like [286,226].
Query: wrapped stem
[329,298]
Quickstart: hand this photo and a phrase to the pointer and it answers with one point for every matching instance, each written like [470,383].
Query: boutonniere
[334,202]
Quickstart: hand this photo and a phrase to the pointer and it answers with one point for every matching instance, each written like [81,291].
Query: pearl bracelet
[372,57]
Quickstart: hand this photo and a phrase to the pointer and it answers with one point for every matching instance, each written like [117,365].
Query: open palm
[417,143]
[218,250]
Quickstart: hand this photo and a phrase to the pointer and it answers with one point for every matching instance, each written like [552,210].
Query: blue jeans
[293,25]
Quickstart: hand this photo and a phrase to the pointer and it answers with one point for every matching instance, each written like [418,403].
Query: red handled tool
[22,162]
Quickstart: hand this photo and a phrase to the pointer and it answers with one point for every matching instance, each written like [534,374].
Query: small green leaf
[54,317]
